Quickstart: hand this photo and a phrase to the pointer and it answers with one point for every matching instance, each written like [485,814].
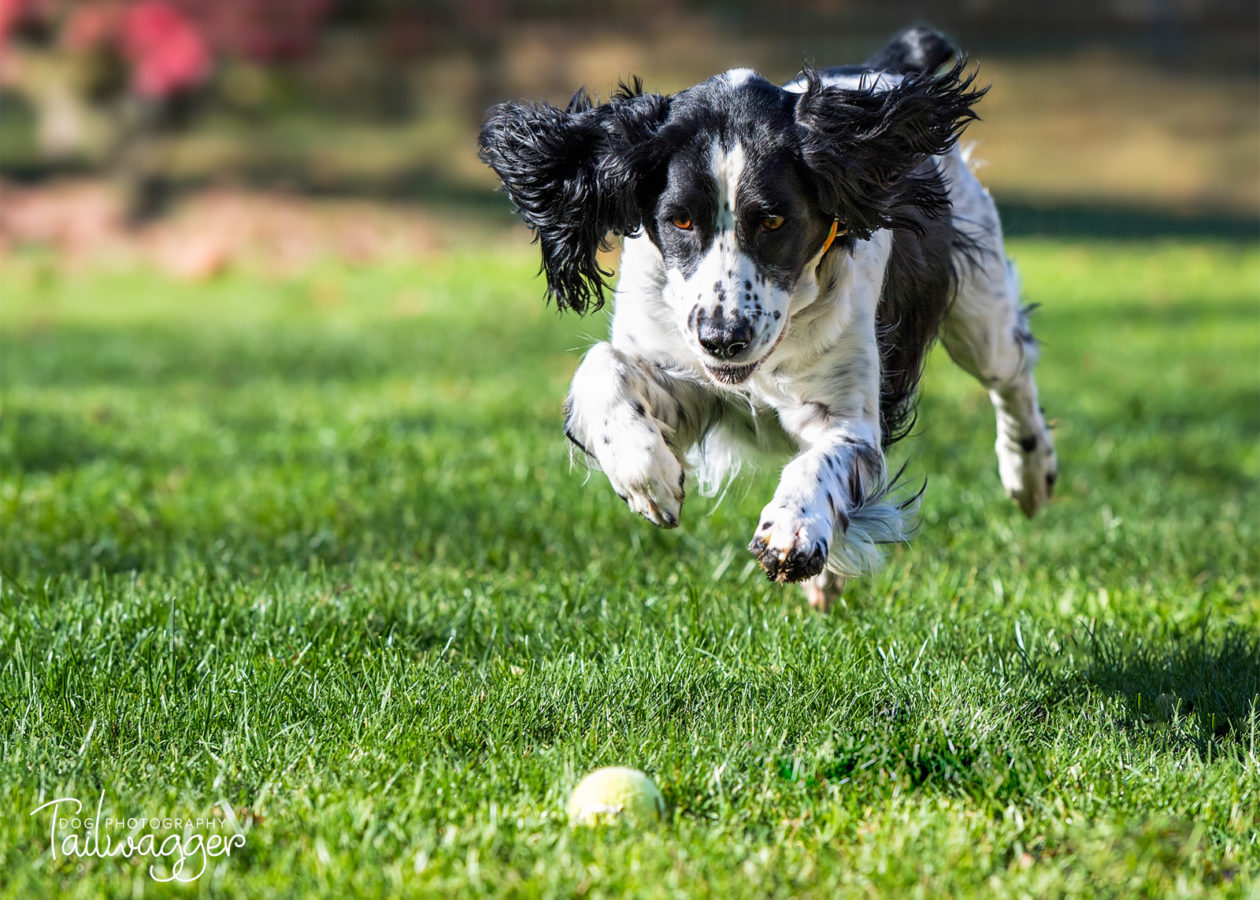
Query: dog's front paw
[1028,468]
[647,475]
[790,546]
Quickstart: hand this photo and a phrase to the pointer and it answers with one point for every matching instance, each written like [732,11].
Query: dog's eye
[771,223]
[682,223]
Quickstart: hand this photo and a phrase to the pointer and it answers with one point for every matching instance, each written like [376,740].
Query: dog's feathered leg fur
[634,421]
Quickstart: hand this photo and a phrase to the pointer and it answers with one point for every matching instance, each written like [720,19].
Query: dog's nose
[724,337]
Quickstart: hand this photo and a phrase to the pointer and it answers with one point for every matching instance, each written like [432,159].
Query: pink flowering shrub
[165,50]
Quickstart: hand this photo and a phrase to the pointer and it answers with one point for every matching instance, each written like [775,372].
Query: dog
[789,256]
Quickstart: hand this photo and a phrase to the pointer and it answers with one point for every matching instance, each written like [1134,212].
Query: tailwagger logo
[177,849]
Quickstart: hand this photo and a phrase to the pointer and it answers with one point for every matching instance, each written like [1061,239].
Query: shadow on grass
[1205,690]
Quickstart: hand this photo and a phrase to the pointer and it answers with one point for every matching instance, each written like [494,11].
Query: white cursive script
[84,838]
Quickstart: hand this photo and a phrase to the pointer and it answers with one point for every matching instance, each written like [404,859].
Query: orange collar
[832,235]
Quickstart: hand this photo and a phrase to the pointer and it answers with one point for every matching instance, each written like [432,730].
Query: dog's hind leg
[986,333]
[634,422]
[824,589]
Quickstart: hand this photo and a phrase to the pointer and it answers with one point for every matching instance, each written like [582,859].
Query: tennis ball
[615,792]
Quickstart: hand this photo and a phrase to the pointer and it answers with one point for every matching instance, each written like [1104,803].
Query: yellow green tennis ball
[615,792]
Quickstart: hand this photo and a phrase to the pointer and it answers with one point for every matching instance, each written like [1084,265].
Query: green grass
[285,552]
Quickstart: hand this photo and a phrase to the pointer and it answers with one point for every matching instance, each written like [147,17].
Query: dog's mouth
[731,374]
[734,375]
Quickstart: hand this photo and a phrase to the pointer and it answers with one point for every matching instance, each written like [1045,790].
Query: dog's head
[738,183]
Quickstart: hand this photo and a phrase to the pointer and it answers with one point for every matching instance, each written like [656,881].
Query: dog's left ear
[573,175]
[863,145]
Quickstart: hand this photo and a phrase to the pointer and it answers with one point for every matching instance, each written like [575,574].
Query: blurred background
[195,133]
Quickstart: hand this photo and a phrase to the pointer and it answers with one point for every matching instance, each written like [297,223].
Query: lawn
[305,555]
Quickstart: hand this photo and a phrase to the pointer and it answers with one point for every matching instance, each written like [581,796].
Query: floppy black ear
[573,175]
[864,145]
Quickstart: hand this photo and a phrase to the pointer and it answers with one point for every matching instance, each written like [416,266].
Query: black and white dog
[790,254]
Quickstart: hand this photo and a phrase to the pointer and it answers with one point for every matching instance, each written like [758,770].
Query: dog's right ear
[863,144]
[574,176]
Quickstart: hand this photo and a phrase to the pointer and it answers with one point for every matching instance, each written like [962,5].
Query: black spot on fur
[856,492]
[869,456]
[1028,444]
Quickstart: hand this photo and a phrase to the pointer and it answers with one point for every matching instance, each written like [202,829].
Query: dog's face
[736,221]
[736,181]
